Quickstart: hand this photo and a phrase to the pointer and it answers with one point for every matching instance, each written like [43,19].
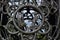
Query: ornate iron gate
[29,20]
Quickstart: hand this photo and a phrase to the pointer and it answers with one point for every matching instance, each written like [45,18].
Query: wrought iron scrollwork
[29,20]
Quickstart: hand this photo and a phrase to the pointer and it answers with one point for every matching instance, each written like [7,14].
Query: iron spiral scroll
[29,20]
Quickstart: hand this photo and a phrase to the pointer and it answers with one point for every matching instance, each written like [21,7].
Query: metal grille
[29,20]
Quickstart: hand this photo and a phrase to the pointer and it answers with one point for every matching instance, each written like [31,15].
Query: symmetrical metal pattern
[29,20]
